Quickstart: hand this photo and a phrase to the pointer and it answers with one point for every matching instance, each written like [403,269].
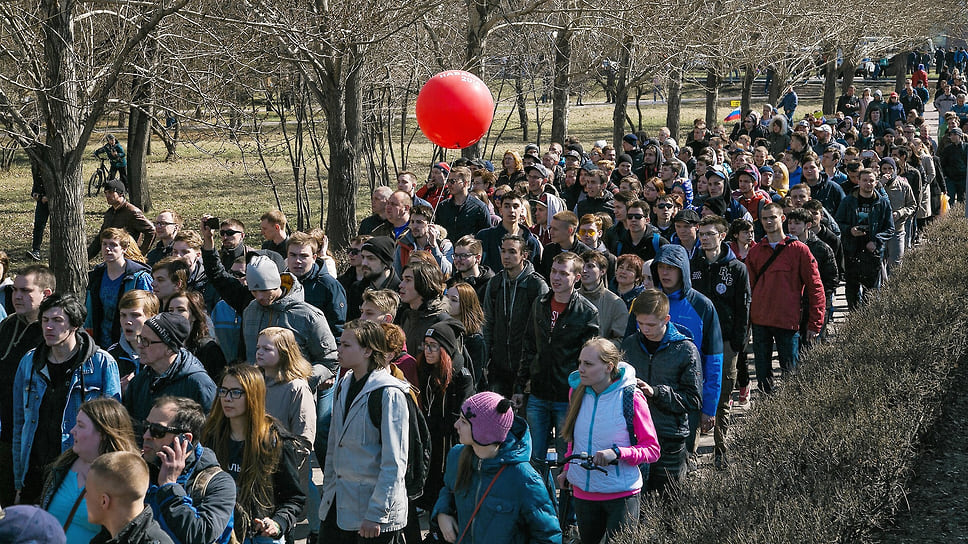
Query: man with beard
[377,267]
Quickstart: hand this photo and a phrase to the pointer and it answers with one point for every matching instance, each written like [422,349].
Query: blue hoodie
[694,311]
[518,507]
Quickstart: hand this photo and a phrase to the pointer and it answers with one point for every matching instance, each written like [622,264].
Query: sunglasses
[157,430]
[664,206]
[634,216]
[235,393]
[353,251]
[229,232]
[587,232]
[464,255]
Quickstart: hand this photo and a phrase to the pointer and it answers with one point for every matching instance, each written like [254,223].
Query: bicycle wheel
[95,183]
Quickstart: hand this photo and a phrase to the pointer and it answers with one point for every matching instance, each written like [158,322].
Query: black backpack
[418,459]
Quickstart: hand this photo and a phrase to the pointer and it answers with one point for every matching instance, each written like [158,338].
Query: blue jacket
[185,378]
[136,276]
[187,514]
[518,508]
[695,312]
[96,377]
[324,292]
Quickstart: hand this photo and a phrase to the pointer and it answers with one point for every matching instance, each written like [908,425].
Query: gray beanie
[262,274]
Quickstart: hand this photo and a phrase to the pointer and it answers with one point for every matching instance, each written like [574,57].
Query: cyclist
[114,153]
[598,422]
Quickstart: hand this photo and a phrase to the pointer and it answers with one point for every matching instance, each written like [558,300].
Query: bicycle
[561,499]
[98,178]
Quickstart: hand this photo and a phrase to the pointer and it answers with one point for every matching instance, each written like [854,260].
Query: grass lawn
[228,180]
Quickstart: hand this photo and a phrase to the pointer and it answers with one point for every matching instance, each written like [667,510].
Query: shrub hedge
[828,458]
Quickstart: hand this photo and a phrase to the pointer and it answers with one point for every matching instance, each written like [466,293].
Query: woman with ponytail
[491,492]
[599,422]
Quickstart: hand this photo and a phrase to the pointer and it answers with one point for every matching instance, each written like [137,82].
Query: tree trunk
[899,62]
[712,97]
[746,98]
[139,132]
[674,101]
[562,86]
[620,111]
[344,132]
[522,105]
[776,85]
[61,160]
[830,82]
[848,68]
[477,11]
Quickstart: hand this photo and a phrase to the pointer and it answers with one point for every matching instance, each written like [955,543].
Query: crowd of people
[604,303]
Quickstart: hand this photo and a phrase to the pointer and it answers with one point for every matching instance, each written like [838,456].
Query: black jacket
[553,250]
[550,355]
[229,288]
[674,372]
[647,247]
[16,339]
[185,378]
[726,283]
[826,261]
[468,218]
[479,283]
[143,529]
[507,305]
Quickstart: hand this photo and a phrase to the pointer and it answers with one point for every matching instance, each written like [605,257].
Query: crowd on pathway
[604,302]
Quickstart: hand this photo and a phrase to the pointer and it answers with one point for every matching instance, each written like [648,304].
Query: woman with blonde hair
[512,169]
[117,275]
[466,308]
[781,178]
[103,426]
[290,399]
[260,454]
[597,422]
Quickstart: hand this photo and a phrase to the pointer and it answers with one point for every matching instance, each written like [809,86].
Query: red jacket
[779,293]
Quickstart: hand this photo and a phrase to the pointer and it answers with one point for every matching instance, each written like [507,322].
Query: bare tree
[63,84]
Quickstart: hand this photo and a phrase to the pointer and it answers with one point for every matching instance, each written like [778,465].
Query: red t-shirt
[557,308]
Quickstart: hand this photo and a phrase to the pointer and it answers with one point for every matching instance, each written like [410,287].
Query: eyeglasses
[229,232]
[464,255]
[664,206]
[144,342]
[164,224]
[235,393]
[157,430]
[353,251]
[432,348]
[634,216]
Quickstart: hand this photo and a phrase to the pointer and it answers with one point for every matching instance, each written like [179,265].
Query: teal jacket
[518,508]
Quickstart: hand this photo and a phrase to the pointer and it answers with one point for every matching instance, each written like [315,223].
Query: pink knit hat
[490,417]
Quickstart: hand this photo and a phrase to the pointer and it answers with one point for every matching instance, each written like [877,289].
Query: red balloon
[454,109]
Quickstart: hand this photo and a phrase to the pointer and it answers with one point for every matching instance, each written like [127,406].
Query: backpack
[418,460]
[200,484]
[628,411]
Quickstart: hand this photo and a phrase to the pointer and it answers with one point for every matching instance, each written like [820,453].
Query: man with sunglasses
[639,237]
[168,368]
[232,234]
[190,496]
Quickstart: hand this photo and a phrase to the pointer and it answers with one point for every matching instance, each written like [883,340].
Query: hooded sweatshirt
[307,323]
[691,309]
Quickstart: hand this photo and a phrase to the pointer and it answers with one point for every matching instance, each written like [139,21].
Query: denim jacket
[96,377]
